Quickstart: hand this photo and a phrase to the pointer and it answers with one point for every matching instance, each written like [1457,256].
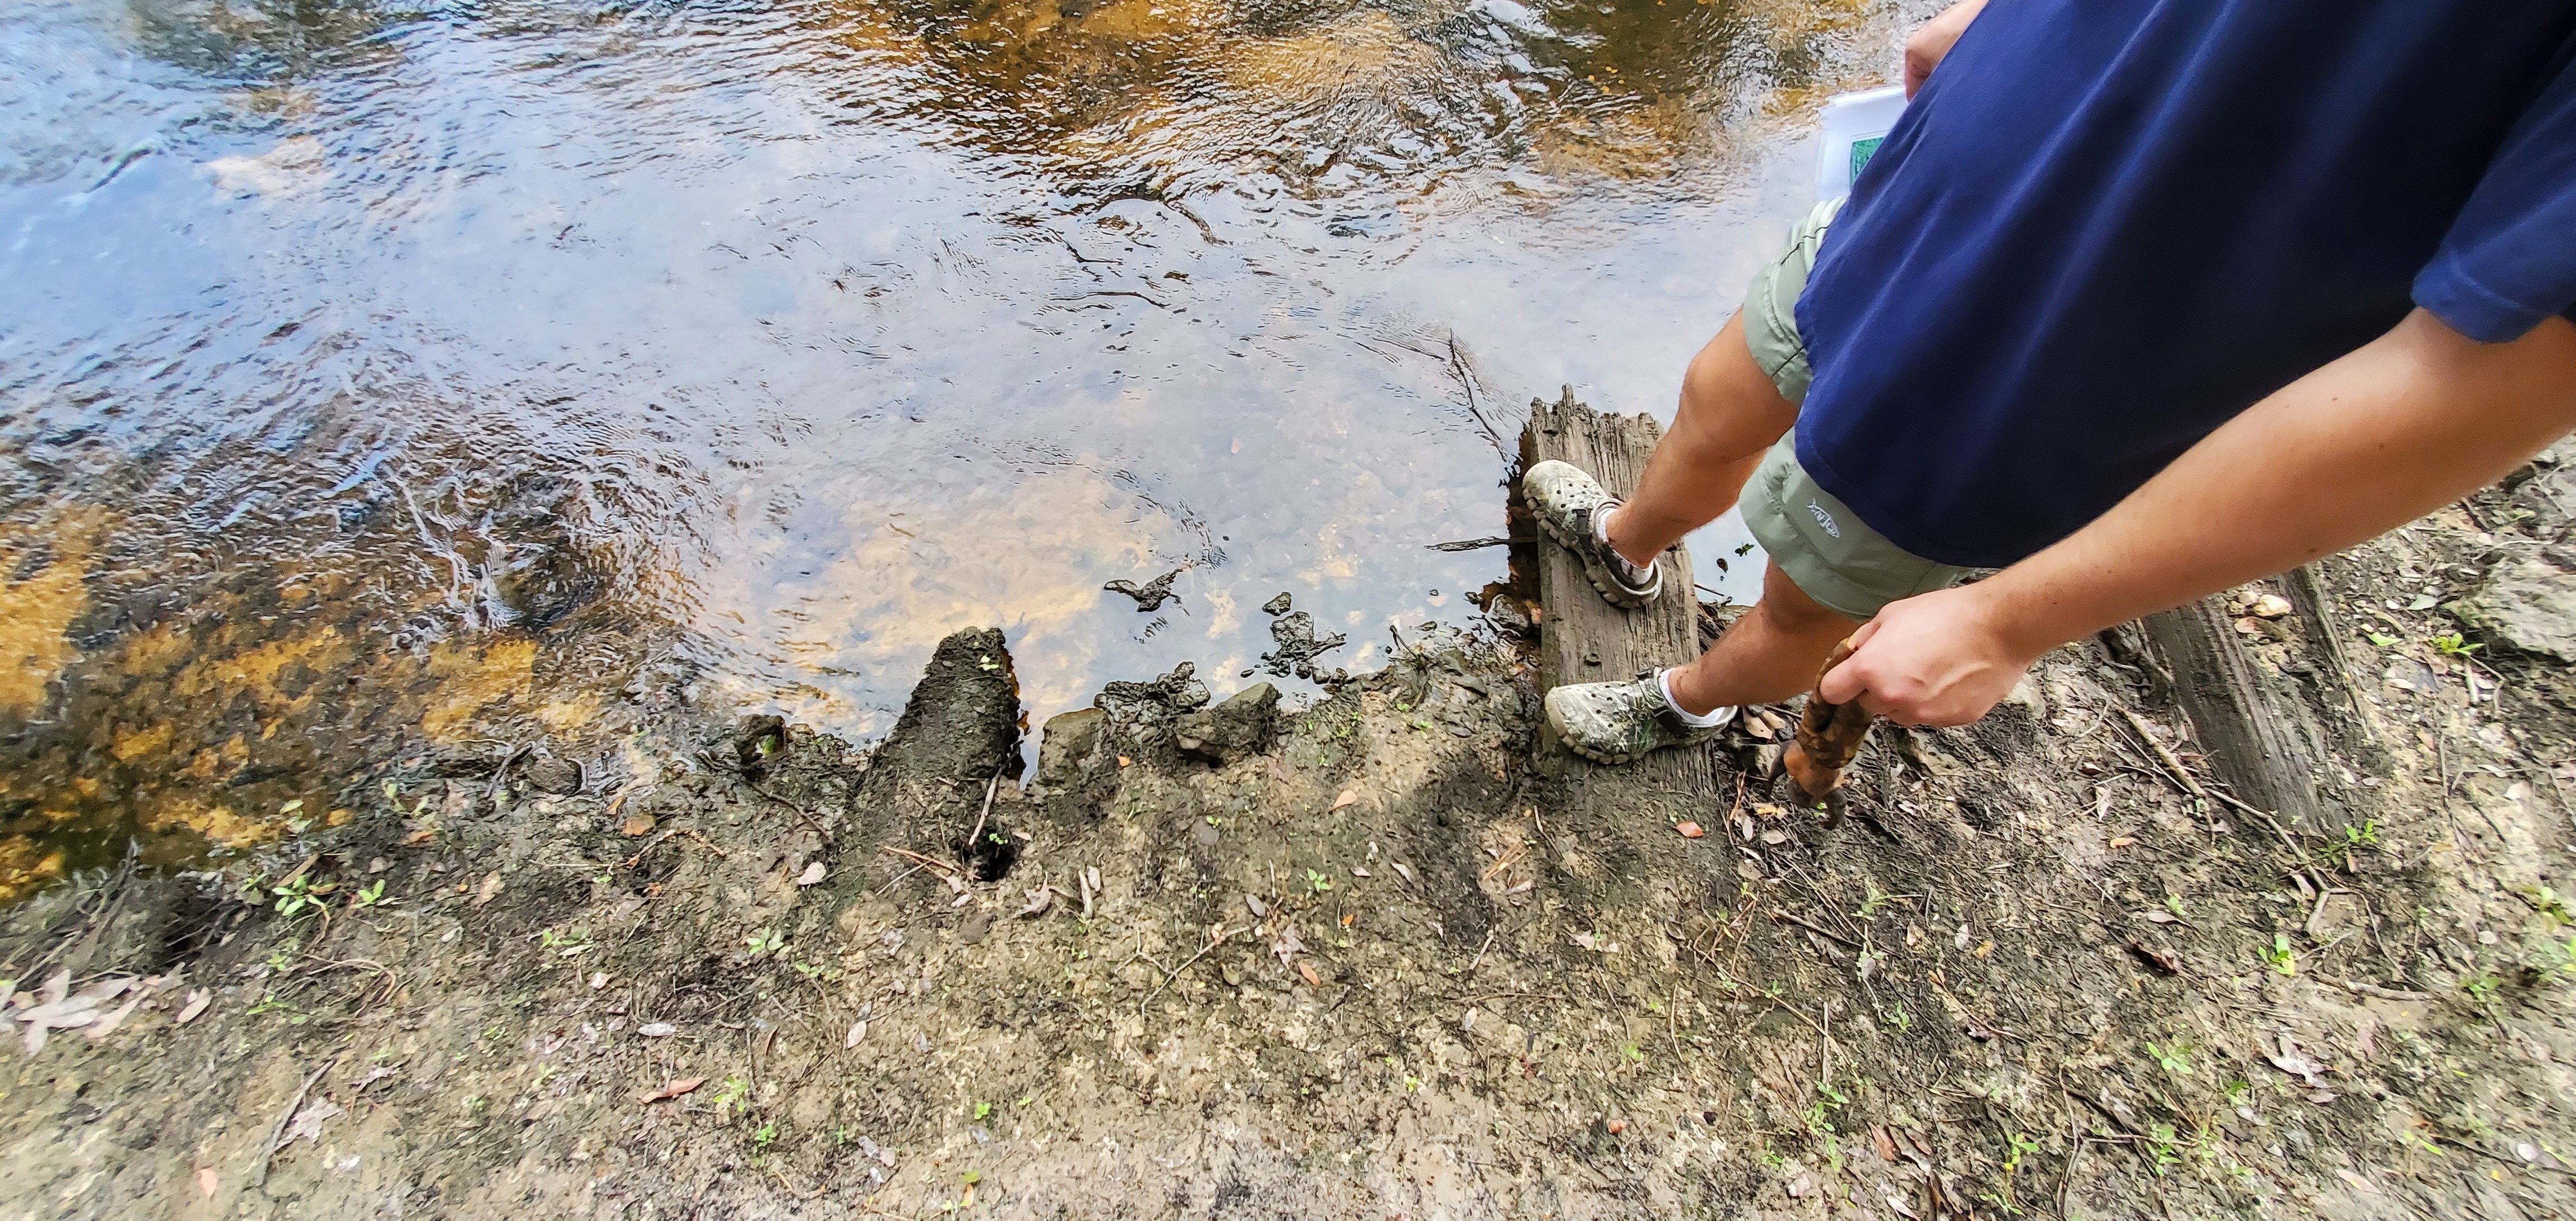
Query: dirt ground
[1374,957]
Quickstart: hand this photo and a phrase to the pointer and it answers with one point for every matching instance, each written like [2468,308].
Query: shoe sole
[1602,582]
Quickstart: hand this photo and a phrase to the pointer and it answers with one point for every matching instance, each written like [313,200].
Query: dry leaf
[1039,900]
[638,823]
[420,836]
[2161,916]
[858,1034]
[1886,1144]
[1404,871]
[1358,872]
[206,1180]
[198,999]
[1253,901]
[673,1090]
[1313,980]
[657,1030]
[1690,830]
[308,1122]
[2161,960]
[2123,841]
[1349,797]
[2360,1184]
[491,886]
[812,875]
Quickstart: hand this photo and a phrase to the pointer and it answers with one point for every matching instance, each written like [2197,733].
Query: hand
[1923,51]
[1940,658]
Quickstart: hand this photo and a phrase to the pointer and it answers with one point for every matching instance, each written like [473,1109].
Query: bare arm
[2396,428]
[1923,51]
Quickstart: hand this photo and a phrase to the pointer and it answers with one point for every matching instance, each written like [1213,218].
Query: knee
[1793,613]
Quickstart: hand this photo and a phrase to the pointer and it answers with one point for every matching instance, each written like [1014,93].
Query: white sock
[1716,717]
[1601,535]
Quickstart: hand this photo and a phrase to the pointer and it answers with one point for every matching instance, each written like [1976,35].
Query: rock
[1066,744]
[561,777]
[1241,726]
[2525,605]
[1177,691]
[1278,605]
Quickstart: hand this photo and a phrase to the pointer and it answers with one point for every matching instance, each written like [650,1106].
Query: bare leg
[1770,654]
[1729,414]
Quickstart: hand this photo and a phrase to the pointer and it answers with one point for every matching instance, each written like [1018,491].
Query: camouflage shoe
[1618,722]
[1565,501]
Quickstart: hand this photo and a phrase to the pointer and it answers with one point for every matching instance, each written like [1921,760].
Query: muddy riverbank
[1368,957]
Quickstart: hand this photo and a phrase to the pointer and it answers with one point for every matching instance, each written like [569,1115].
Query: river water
[376,375]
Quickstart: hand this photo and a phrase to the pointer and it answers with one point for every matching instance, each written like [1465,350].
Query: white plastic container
[1855,123]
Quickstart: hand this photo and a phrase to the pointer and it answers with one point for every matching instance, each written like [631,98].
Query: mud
[1366,957]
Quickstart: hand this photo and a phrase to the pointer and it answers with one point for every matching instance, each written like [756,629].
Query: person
[2138,301]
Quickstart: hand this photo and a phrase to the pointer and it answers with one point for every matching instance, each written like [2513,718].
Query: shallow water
[376,375]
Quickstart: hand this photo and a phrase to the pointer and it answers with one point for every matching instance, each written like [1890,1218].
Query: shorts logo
[1824,519]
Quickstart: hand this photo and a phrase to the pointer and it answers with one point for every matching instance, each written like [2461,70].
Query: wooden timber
[1584,639]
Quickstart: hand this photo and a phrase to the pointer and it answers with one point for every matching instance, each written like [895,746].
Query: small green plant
[730,1098]
[2355,839]
[2450,644]
[983,1110]
[2175,1059]
[1317,883]
[765,942]
[568,944]
[1896,1016]
[2546,901]
[297,893]
[1876,902]
[2018,1145]
[761,1138]
[2160,1142]
[2278,956]
[370,895]
[2173,906]
[2381,639]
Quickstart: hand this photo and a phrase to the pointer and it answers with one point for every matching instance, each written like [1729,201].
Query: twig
[2387,994]
[268,1148]
[1490,930]
[991,787]
[1817,929]
[2165,756]
[933,862]
[1213,942]
[502,772]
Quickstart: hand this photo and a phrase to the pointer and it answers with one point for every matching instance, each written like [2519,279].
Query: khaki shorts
[1823,547]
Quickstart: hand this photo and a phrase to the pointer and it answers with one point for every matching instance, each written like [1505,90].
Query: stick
[1818,930]
[933,862]
[2172,765]
[268,1148]
[1213,942]
[991,787]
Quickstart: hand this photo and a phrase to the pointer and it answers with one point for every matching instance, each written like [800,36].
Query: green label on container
[1861,150]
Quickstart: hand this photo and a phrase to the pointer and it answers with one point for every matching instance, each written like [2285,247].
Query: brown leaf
[198,999]
[2162,960]
[2123,841]
[2161,916]
[1690,830]
[421,836]
[206,1180]
[1349,797]
[638,823]
[1307,969]
[491,886]
[676,1088]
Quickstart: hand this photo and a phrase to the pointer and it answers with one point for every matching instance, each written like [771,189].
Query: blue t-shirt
[2105,227]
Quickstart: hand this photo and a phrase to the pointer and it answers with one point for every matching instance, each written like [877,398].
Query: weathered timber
[1584,639]
[2273,716]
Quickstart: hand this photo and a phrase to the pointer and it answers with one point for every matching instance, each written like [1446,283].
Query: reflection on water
[376,376]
